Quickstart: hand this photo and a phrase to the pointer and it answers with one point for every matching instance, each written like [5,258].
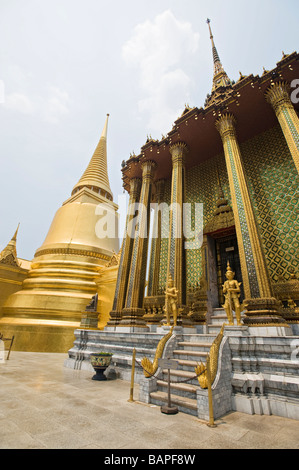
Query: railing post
[10,347]
[132,376]
[211,423]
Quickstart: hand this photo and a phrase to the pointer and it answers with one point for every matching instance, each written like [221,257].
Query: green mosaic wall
[201,187]
[273,184]
[164,242]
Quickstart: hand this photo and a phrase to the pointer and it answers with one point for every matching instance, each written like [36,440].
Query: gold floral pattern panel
[274,186]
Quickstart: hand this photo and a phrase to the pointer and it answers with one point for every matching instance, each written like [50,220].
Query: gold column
[176,252]
[153,282]
[126,253]
[278,95]
[133,311]
[261,306]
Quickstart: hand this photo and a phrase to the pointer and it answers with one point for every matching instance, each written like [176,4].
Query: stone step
[119,348]
[219,317]
[215,329]
[117,337]
[184,404]
[197,345]
[187,364]
[181,389]
[194,354]
[199,338]
[180,374]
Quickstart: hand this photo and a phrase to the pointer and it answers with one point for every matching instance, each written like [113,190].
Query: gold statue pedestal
[263,318]
[90,317]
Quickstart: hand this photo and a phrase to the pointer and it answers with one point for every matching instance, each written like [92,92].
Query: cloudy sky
[65,64]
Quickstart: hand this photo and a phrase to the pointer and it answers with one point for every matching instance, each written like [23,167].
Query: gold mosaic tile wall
[164,242]
[273,184]
[201,187]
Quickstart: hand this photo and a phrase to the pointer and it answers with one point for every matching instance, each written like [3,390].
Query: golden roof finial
[208,22]
[96,173]
[14,238]
[220,78]
[215,53]
[9,254]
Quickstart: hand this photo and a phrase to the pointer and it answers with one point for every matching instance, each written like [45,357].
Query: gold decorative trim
[72,251]
[278,96]
[201,369]
[258,325]
[149,367]
[11,281]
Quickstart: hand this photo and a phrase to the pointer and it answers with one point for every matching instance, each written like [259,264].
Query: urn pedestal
[100,362]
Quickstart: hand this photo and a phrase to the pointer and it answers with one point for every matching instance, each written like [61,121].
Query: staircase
[190,351]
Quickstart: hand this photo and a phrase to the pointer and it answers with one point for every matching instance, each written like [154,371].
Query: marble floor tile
[44,405]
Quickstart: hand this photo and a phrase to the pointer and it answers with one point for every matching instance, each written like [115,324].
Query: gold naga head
[229,272]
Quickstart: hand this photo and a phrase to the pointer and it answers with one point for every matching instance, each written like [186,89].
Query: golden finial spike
[96,173]
[14,238]
[104,132]
[208,22]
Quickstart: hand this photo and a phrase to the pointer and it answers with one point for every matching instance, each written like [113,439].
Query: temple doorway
[226,249]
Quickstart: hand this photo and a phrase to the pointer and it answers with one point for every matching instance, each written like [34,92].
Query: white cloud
[55,105]
[18,102]
[44,101]
[161,50]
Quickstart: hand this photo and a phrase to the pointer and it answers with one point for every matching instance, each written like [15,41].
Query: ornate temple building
[239,157]
[217,277]
[42,301]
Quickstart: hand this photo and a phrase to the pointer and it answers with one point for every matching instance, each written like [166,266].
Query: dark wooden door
[227,250]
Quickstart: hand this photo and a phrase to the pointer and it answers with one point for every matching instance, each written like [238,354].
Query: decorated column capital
[278,96]
[135,187]
[178,152]
[226,126]
[148,169]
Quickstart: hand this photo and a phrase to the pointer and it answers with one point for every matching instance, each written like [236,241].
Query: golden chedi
[69,268]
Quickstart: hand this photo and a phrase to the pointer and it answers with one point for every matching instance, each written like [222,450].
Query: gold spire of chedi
[95,176]
[221,82]
[66,270]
